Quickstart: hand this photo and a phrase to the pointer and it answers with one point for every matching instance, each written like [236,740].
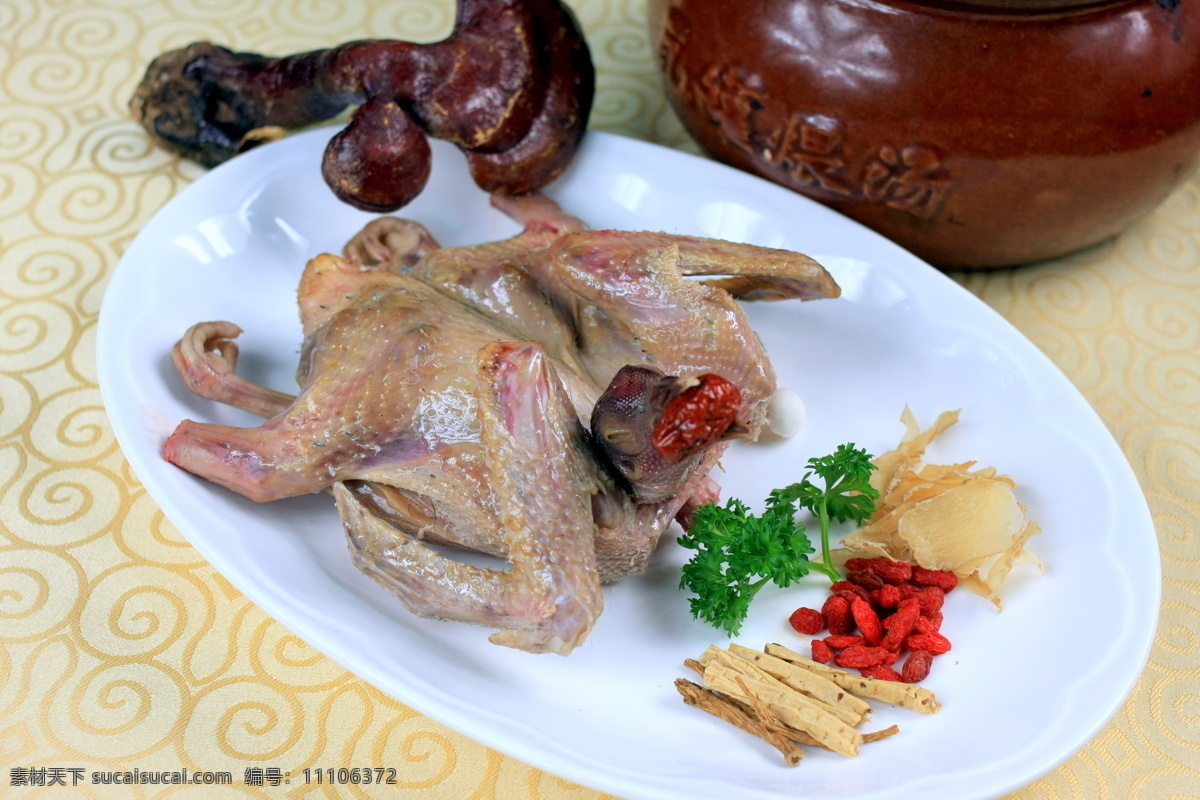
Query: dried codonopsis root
[747,718]
[788,700]
[512,86]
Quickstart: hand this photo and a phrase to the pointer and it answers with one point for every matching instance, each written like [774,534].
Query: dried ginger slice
[949,517]
[880,537]
[987,575]
[976,519]
[891,465]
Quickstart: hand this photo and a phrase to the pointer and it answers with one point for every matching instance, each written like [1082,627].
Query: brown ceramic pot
[976,134]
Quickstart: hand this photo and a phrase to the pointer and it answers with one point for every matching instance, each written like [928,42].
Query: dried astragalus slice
[947,517]
[988,574]
[893,464]
[961,524]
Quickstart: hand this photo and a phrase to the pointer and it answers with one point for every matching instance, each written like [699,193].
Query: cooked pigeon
[555,399]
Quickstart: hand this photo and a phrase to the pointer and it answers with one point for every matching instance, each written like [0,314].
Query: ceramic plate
[1022,689]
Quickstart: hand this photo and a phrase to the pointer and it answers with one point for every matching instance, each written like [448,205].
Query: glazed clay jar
[976,134]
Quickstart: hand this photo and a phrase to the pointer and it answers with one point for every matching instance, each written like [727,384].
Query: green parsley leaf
[737,553]
[847,494]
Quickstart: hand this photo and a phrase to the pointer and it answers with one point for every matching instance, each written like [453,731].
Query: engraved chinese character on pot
[811,148]
[808,146]
[812,151]
[670,50]
[731,95]
[910,179]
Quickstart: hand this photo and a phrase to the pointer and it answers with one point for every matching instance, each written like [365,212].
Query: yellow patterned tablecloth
[121,647]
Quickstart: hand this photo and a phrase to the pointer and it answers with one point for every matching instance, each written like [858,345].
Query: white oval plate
[1022,690]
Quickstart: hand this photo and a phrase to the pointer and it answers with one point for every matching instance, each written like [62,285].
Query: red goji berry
[867,580]
[931,599]
[909,607]
[828,602]
[807,621]
[860,656]
[821,652]
[894,606]
[847,588]
[935,643]
[887,597]
[850,597]
[843,641]
[942,579]
[893,572]
[900,624]
[867,621]
[916,666]
[881,673]
[836,612]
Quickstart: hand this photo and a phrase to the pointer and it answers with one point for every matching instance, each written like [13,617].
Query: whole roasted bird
[555,399]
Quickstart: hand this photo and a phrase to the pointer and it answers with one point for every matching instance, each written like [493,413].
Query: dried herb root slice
[899,694]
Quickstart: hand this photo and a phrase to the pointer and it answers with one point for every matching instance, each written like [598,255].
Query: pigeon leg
[206,358]
[390,243]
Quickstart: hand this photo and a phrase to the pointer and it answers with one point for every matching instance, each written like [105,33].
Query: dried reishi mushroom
[512,87]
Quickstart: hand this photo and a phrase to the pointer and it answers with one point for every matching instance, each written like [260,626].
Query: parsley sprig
[737,552]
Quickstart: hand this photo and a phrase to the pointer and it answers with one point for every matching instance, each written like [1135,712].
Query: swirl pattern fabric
[121,646]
